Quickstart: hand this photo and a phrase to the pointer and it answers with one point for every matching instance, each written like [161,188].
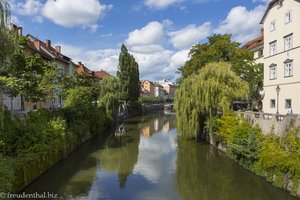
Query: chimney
[20,31]
[79,63]
[37,44]
[58,49]
[261,32]
[48,43]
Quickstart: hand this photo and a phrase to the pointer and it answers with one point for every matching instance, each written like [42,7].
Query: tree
[211,90]
[128,73]
[7,46]
[220,48]
[109,95]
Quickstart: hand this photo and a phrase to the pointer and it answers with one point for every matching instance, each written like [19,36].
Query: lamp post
[277,91]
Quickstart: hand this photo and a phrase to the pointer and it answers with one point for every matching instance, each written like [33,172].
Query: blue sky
[159,33]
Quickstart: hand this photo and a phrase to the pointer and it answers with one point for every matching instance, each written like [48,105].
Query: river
[148,162]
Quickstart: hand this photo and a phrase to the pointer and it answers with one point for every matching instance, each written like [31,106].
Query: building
[147,88]
[169,89]
[256,46]
[49,54]
[281,57]
[159,91]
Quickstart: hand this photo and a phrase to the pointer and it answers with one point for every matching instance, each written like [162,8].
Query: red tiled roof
[101,74]
[254,43]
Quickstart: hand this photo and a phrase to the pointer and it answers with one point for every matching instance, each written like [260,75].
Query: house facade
[147,88]
[281,57]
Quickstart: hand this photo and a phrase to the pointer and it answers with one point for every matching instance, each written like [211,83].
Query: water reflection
[205,173]
[145,160]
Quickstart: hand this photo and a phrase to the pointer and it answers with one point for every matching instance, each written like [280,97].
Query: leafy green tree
[220,48]
[7,46]
[128,73]
[109,95]
[210,91]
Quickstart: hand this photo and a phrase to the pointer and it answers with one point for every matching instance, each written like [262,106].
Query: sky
[159,33]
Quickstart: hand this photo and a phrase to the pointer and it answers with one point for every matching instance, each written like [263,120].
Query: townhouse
[280,56]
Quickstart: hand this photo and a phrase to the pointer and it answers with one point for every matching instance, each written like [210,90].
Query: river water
[148,162]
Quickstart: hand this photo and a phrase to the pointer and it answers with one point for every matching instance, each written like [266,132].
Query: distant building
[169,88]
[159,91]
[147,88]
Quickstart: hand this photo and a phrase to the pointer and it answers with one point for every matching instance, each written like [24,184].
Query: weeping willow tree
[205,94]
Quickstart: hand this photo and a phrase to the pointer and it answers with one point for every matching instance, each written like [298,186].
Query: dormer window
[273,26]
[288,17]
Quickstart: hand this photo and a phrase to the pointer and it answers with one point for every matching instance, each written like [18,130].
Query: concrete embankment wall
[279,124]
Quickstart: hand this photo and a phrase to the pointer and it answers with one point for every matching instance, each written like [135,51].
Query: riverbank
[31,146]
[273,157]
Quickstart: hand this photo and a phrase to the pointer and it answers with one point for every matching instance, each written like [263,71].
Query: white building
[281,56]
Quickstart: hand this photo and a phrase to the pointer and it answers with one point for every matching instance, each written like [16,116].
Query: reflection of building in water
[146,131]
[166,126]
[156,125]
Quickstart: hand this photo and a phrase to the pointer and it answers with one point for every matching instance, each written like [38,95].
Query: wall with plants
[31,146]
[276,158]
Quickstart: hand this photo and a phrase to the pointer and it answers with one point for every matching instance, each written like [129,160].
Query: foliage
[109,95]
[210,91]
[220,48]
[281,153]
[244,144]
[128,73]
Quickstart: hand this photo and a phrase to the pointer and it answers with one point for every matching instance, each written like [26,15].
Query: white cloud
[152,33]
[73,13]
[242,23]
[190,35]
[28,8]
[162,4]
[82,13]
[178,60]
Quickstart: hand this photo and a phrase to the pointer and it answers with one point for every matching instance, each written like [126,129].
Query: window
[272,103]
[288,17]
[272,48]
[273,26]
[273,73]
[288,42]
[288,103]
[288,68]
[260,53]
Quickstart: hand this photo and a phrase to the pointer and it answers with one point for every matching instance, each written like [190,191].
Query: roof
[271,4]
[254,43]
[81,69]
[157,85]
[45,50]
[101,74]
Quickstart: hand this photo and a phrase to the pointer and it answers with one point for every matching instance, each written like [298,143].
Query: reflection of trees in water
[205,173]
[120,155]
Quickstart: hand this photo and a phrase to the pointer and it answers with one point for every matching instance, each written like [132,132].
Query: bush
[244,144]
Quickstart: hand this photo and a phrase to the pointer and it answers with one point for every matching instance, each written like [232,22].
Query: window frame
[290,19]
[275,48]
[271,103]
[286,103]
[274,67]
[288,63]
[289,36]
[273,25]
